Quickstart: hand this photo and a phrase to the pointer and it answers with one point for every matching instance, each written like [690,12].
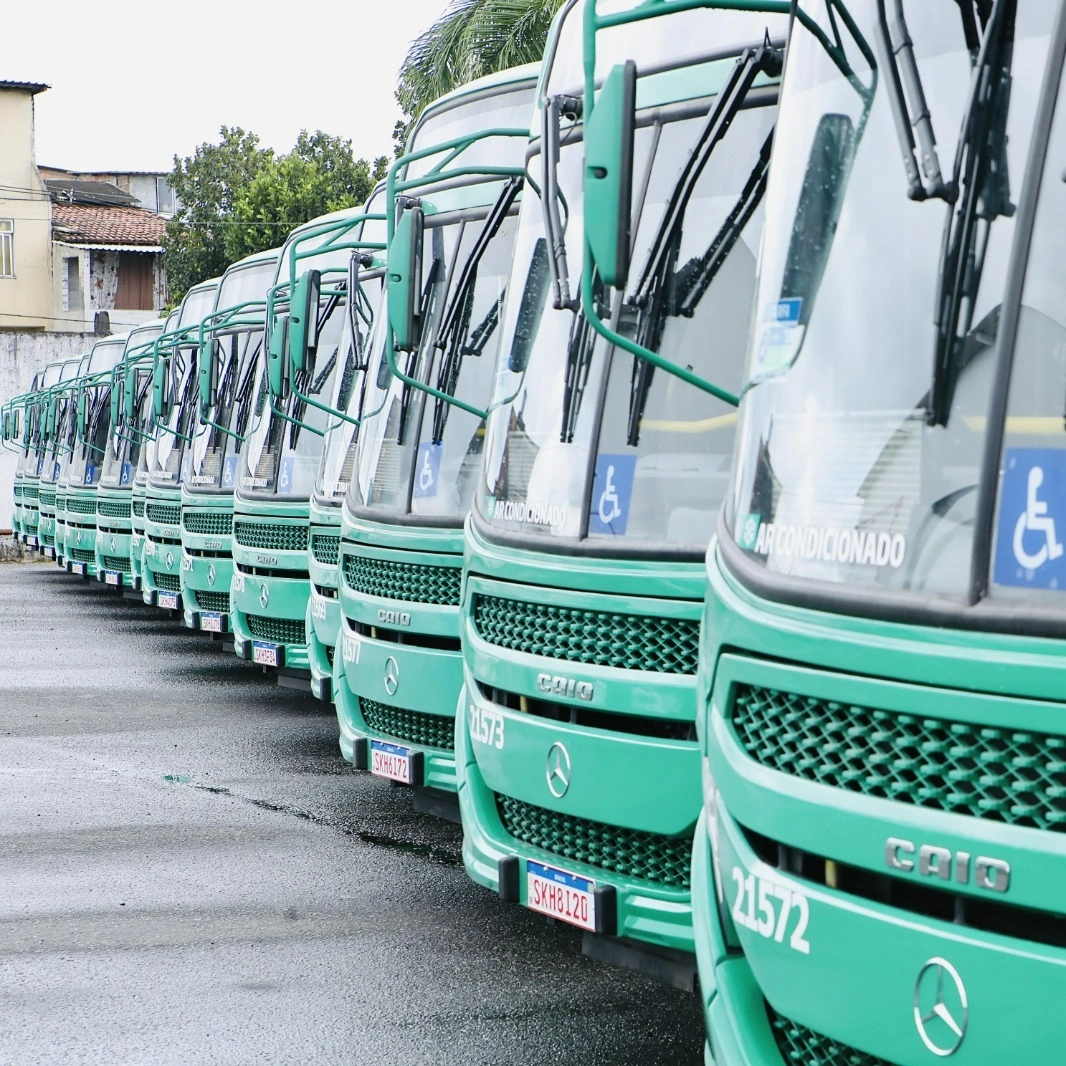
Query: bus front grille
[113,509]
[208,523]
[80,505]
[414,582]
[167,582]
[47,498]
[325,548]
[277,630]
[271,536]
[121,563]
[164,514]
[663,860]
[138,508]
[600,638]
[416,727]
[212,601]
[797,1043]
[83,555]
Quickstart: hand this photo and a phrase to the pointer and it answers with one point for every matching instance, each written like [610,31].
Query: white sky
[133,85]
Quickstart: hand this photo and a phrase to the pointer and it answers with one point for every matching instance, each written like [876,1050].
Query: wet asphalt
[190,872]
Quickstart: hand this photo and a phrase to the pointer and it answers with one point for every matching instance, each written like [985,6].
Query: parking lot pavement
[189,872]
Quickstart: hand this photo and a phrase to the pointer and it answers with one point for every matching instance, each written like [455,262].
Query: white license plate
[390,760]
[112,577]
[211,621]
[168,600]
[77,568]
[50,553]
[266,654]
[31,542]
[565,896]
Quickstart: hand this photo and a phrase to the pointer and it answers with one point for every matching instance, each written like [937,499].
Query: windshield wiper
[554,109]
[579,361]
[456,318]
[412,357]
[982,176]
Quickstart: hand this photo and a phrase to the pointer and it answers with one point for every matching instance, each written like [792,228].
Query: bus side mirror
[116,399]
[7,425]
[403,279]
[129,393]
[82,406]
[207,378]
[609,173]
[277,357]
[303,321]
[160,406]
[16,418]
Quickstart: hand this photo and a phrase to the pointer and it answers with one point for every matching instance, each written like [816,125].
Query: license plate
[168,600]
[561,895]
[112,577]
[50,552]
[31,542]
[211,621]
[77,568]
[265,654]
[390,760]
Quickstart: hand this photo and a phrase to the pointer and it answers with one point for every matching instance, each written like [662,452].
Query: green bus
[92,415]
[882,651]
[68,433]
[21,425]
[308,313]
[60,426]
[454,196]
[38,447]
[230,340]
[176,412]
[606,457]
[115,494]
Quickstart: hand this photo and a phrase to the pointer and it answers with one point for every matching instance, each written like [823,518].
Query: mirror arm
[295,421]
[222,429]
[390,358]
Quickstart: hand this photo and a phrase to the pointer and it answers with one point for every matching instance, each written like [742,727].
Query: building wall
[25,300]
[98,276]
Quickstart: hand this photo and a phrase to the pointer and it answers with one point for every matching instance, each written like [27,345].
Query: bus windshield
[870,373]
[86,464]
[586,443]
[216,453]
[123,446]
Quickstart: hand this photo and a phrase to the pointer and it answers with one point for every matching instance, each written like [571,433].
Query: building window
[7,248]
[72,284]
[164,197]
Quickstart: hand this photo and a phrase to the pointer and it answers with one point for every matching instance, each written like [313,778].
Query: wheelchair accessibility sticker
[126,475]
[285,475]
[1030,549]
[229,472]
[427,470]
[186,467]
[612,492]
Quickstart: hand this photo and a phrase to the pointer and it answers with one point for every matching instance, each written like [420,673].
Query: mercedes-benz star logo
[392,676]
[114,544]
[211,574]
[558,770]
[941,1011]
[264,597]
[170,560]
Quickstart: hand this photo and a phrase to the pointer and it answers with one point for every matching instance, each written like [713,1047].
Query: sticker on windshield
[778,336]
[612,493]
[229,471]
[286,474]
[427,470]
[40,466]
[90,474]
[1030,548]
[127,474]
[862,547]
[55,471]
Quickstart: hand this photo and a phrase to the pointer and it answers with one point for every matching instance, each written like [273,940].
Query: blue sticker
[90,474]
[612,492]
[229,471]
[1032,520]
[186,467]
[427,470]
[285,476]
[789,311]
[40,465]
[127,473]
[55,471]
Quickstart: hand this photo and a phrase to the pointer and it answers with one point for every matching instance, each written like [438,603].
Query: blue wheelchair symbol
[90,474]
[1032,518]
[229,471]
[612,493]
[427,470]
[285,476]
[127,473]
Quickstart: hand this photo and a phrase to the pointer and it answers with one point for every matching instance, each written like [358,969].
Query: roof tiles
[85,224]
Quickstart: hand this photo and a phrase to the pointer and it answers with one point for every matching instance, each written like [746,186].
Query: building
[25,215]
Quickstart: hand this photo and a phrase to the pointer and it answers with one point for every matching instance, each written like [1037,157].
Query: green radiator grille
[165,514]
[429,730]
[29,492]
[210,523]
[83,555]
[403,581]
[81,505]
[47,498]
[212,601]
[18,492]
[121,563]
[1001,774]
[113,509]
[273,536]
[630,852]
[166,582]
[804,1047]
[138,508]
[47,541]
[603,638]
[277,630]
[325,548]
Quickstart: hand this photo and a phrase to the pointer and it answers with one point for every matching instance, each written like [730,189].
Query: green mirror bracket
[295,421]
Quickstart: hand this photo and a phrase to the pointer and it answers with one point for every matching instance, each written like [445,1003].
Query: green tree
[319,175]
[208,183]
[472,38]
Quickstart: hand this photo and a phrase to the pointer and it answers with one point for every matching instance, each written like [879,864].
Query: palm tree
[472,38]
